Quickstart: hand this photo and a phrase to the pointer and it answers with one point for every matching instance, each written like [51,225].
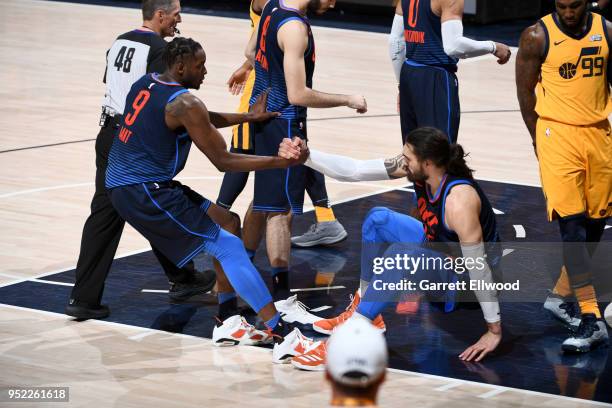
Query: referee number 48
[124,59]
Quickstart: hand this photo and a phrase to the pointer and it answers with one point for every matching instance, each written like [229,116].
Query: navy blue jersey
[423,35]
[144,149]
[431,210]
[269,71]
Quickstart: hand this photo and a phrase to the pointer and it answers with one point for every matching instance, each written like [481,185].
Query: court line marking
[329,180]
[316,289]
[139,251]
[140,336]
[500,387]
[449,386]
[52,282]
[43,274]
[260,349]
[154,290]
[377,116]
[491,394]
[76,185]
[520,231]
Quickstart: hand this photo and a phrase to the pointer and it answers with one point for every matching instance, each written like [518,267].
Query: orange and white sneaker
[313,359]
[327,326]
[236,331]
[294,344]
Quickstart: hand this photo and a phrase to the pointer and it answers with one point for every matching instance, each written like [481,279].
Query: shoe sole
[320,330]
[322,241]
[573,349]
[329,332]
[225,342]
[286,359]
[84,315]
[297,364]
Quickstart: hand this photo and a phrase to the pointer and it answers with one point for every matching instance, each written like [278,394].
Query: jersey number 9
[141,100]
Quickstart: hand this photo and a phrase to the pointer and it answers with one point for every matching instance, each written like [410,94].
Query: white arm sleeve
[347,169]
[479,270]
[457,46]
[397,45]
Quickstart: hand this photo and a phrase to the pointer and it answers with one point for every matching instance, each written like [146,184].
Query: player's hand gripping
[237,81]
[502,52]
[487,343]
[258,112]
[295,150]
[358,102]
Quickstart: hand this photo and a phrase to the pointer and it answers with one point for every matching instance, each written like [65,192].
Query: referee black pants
[102,232]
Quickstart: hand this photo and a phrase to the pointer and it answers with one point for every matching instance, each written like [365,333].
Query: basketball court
[150,352]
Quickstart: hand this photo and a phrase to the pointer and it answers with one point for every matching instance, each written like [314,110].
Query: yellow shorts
[575,168]
[242,139]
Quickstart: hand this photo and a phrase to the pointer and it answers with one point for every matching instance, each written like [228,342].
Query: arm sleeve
[344,168]
[479,270]
[458,46]
[397,45]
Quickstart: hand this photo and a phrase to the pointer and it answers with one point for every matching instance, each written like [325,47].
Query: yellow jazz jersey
[241,133]
[573,88]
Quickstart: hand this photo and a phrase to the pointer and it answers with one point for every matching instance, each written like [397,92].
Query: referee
[131,56]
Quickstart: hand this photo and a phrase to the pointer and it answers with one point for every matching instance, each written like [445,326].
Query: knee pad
[376,216]
[229,244]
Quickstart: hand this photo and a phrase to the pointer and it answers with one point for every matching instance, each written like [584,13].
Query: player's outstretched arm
[345,168]
[528,67]
[458,46]
[293,40]
[189,112]
[462,209]
[397,43]
[257,113]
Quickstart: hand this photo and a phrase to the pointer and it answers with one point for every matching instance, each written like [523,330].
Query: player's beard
[418,175]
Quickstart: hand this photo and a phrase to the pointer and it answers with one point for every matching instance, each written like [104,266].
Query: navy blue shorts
[429,96]
[279,190]
[170,216]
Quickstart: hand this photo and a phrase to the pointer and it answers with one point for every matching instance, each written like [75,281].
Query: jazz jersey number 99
[139,103]
[591,64]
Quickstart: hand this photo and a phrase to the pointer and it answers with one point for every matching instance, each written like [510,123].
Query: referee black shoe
[199,284]
[84,311]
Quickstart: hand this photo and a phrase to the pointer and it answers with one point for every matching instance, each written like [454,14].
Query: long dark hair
[432,144]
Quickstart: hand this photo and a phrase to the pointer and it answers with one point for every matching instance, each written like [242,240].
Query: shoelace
[247,326]
[349,309]
[302,307]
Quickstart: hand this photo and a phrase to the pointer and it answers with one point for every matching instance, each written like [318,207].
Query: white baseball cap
[356,353]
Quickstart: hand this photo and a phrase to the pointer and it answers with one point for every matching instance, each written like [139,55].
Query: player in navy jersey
[284,61]
[161,121]
[456,220]
[132,55]
[425,45]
